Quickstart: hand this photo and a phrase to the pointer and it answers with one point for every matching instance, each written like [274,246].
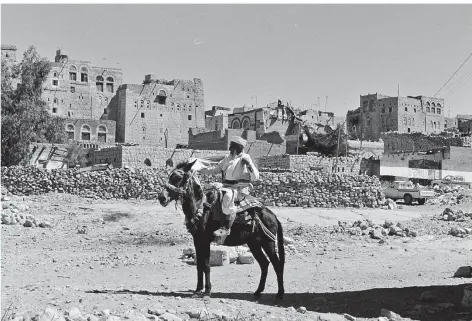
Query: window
[55,82]
[409,129]
[161,115]
[72,89]
[54,110]
[102,134]
[406,108]
[105,111]
[427,109]
[85,132]
[148,104]
[55,101]
[72,73]
[445,124]
[414,110]
[161,97]
[142,115]
[438,111]
[390,109]
[135,104]
[428,104]
[438,105]
[110,82]
[433,104]
[383,111]
[70,130]
[84,74]
[189,117]
[235,124]
[99,83]
[433,110]
[55,74]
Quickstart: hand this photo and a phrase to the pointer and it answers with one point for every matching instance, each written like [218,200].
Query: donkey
[259,236]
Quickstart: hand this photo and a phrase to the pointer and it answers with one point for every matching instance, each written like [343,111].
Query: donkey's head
[177,184]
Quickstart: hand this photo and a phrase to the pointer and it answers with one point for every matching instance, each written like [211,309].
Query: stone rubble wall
[301,188]
[342,165]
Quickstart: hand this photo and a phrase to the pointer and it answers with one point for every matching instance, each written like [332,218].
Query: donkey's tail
[280,244]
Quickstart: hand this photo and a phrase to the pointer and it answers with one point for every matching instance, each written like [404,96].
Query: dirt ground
[129,258]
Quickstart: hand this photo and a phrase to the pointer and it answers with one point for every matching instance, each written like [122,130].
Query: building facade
[159,112]
[379,113]
[9,53]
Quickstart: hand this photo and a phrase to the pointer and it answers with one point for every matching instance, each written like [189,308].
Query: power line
[453,75]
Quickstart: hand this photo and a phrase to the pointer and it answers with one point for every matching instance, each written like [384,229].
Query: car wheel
[408,199]
[421,201]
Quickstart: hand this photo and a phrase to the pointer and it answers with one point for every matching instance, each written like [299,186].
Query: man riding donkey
[239,170]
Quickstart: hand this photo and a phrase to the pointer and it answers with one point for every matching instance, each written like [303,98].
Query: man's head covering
[238,140]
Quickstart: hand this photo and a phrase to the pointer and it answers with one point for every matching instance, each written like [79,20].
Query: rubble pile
[295,189]
[451,196]
[16,213]
[375,231]
[458,216]
[120,183]
[308,189]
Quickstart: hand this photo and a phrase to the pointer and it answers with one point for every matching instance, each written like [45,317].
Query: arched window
[135,104]
[70,130]
[427,109]
[235,124]
[433,110]
[84,74]
[73,73]
[99,83]
[428,104]
[246,123]
[55,101]
[102,133]
[161,97]
[438,105]
[148,104]
[110,84]
[55,74]
[433,104]
[85,132]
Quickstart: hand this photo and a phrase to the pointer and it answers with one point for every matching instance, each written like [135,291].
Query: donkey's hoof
[197,294]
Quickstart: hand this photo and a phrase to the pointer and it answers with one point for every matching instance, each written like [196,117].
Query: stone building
[9,53]
[464,124]
[159,112]
[85,95]
[379,113]
[217,118]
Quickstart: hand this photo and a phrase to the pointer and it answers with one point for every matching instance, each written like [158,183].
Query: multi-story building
[379,113]
[217,118]
[85,95]
[465,124]
[159,112]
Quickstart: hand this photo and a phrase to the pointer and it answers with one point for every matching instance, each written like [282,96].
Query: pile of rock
[120,183]
[451,195]
[375,231]
[456,216]
[296,189]
[310,189]
[16,213]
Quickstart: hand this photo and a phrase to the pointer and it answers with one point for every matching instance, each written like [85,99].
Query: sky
[253,54]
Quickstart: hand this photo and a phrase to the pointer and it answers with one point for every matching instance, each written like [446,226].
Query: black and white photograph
[236,161]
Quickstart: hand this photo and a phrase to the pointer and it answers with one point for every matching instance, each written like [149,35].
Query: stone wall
[346,165]
[303,189]
[403,142]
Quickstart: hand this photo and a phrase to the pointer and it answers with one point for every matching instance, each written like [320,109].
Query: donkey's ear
[189,165]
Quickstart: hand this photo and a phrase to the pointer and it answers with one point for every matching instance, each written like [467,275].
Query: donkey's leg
[256,249]
[269,248]
[199,267]
[205,257]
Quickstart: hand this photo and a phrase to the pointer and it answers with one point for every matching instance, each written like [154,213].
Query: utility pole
[326,102]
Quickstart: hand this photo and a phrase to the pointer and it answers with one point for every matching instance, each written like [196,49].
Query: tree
[25,118]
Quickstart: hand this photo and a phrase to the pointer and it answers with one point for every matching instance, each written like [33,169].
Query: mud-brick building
[159,112]
[9,53]
[379,113]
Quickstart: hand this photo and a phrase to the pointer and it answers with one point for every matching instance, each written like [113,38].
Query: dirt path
[129,259]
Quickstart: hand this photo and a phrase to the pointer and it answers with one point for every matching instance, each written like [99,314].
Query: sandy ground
[129,259]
